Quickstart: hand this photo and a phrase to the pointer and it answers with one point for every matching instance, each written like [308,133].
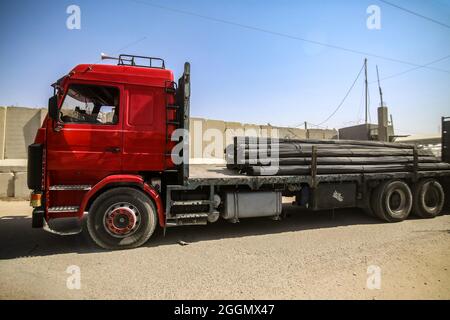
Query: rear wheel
[121,218]
[392,201]
[429,198]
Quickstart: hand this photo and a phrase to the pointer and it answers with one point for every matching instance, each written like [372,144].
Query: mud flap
[37,220]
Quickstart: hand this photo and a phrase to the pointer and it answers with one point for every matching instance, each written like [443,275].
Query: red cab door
[87,146]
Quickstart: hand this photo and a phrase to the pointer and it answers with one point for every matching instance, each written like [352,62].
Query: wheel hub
[431,198]
[121,220]
[397,201]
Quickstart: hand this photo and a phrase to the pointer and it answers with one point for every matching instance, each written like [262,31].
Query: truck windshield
[90,104]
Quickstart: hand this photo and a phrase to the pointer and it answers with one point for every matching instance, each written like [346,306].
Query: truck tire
[392,201]
[367,207]
[428,198]
[121,218]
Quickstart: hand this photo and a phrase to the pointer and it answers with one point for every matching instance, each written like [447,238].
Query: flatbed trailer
[117,170]
[322,189]
[207,174]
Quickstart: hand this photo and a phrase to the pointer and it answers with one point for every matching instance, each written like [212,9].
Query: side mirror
[53,111]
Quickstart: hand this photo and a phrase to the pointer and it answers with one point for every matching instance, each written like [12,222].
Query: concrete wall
[18,128]
[363,132]
[359,132]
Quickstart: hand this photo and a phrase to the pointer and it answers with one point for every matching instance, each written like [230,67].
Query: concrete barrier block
[215,124]
[299,133]
[21,190]
[322,134]
[233,129]
[6,185]
[252,130]
[43,115]
[13,165]
[21,127]
[291,133]
[330,134]
[214,139]
[315,134]
[196,129]
[266,131]
[2,132]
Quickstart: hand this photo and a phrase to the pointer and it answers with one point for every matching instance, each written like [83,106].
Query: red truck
[105,150]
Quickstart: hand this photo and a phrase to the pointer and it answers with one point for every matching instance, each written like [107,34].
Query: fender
[125,179]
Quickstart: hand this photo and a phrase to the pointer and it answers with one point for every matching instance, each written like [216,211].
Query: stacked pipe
[260,156]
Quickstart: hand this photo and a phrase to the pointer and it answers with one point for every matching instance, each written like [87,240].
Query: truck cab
[108,126]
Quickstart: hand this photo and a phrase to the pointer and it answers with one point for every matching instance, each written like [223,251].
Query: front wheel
[121,218]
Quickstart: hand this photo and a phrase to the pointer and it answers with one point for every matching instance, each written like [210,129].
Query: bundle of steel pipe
[258,156]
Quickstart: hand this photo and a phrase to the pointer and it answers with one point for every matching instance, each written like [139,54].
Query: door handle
[112,149]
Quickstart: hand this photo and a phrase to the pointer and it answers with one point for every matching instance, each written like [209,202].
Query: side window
[90,104]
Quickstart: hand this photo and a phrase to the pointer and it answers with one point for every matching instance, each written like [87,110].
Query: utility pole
[383,121]
[306,130]
[367,89]
[379,88]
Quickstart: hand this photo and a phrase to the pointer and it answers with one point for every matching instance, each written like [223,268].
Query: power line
[281,34]
[308,123]
[130,45]
[316,125]
[343,100]
[416,14]
[413,69]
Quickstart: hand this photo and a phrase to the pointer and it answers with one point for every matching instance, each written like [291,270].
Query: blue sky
[240,74]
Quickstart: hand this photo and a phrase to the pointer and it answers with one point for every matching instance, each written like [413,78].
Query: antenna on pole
[379,88]
[366,88]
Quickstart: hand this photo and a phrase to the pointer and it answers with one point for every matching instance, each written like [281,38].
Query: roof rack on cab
[137,61]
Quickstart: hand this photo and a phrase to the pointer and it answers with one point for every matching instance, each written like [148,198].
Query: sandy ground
[305,256]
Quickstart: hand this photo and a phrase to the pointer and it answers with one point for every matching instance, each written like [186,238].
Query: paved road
[307,255]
